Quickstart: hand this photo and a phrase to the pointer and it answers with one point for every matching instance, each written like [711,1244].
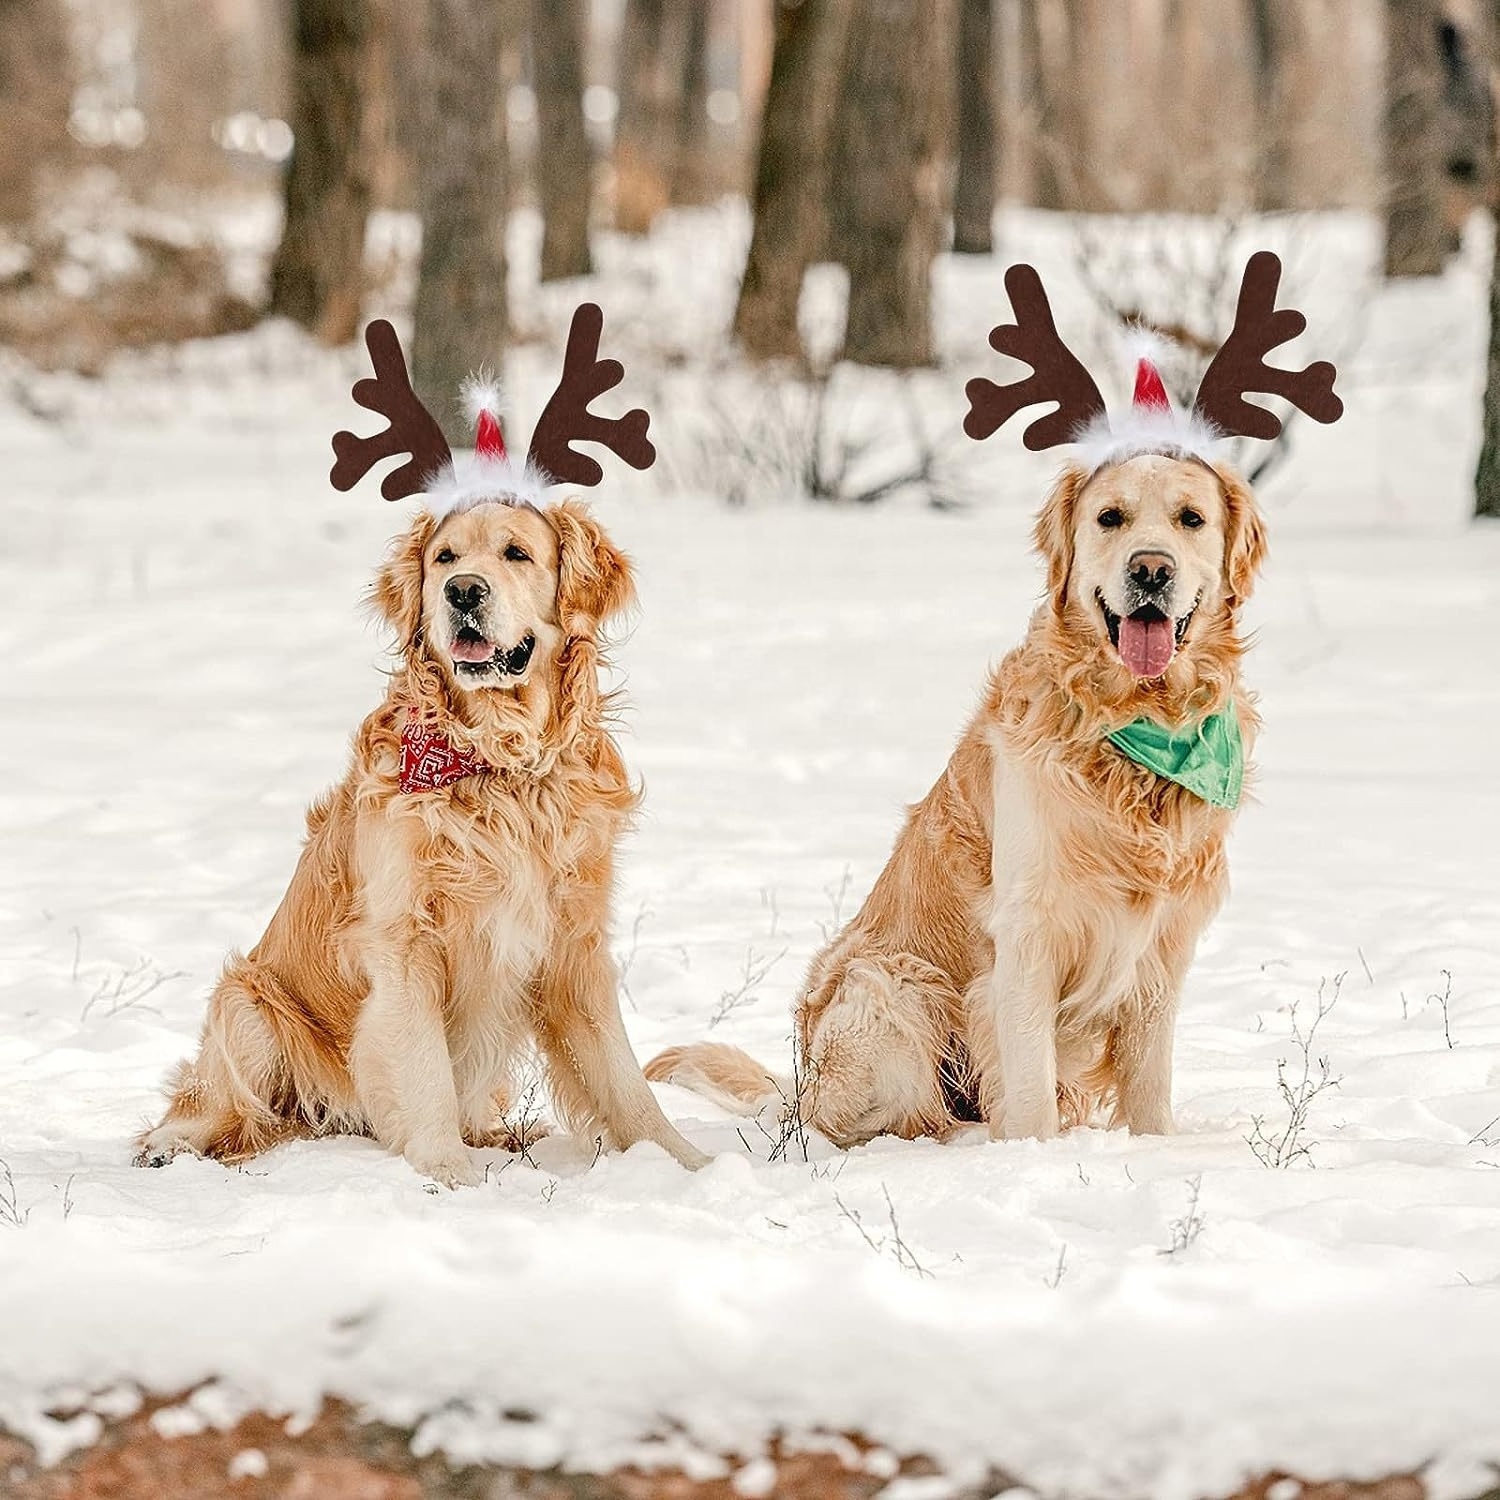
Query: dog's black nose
[1151,572]
[466,592]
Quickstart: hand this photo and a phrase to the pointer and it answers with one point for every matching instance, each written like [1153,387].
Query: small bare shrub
[1185,1230]
[1300,1083]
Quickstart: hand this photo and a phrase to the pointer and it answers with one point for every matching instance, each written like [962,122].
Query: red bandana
[428,761]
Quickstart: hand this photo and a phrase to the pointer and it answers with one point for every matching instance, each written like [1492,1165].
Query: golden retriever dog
[1020,958]
[432,934]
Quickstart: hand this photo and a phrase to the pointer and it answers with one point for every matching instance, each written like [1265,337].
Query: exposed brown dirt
[339,1457]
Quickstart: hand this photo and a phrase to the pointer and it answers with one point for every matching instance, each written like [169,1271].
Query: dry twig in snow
[1288,1144]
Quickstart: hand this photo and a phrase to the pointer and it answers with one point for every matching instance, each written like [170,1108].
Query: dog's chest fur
[1125,867]
[487,859]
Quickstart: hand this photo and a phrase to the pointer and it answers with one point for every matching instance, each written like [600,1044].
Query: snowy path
[184,664]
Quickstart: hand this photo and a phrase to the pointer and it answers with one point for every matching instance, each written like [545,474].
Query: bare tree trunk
[462,172]
[1094,105]
[1273,37]
[691,177]
[1415,235]
[317,276]
[974,184]
[643,133]
[1487,477]
[1072,103]
[894,128]
[1046,179]
[791,174]
[36,86]
[1466,124]
[564,167]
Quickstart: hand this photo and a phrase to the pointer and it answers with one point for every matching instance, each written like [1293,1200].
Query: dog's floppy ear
[594,581]
[1053,533]
[396,595]
[1244,538]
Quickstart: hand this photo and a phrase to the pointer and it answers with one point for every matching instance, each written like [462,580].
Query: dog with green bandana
[1020,959]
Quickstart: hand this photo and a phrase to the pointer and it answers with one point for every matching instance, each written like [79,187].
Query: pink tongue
[1146,646]
[483,650]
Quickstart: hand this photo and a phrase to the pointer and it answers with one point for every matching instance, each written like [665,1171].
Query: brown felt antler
[1057,373]
[1240,365]
[412,429]
[567,419]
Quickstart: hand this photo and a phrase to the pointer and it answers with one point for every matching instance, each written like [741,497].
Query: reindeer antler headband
[492,476]
[1219,409]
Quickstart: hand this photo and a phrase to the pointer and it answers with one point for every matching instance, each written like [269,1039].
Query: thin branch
[1288,1144]
[756,971]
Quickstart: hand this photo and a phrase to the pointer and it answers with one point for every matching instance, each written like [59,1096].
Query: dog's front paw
[690,1156]
[157,1147]
[452,1168]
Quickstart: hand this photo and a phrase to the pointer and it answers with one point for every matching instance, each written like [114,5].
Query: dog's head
[490,596]
[1153,556]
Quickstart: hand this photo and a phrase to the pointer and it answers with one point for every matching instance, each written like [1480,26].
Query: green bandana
[1208,758]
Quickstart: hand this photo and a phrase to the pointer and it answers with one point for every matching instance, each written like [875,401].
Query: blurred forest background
[176,169]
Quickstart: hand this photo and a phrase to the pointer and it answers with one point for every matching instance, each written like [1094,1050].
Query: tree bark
[462,172]
[36,87]
[1273,38]
[1415,235]
[1487,476]
[895,125]
[1466,128]
[1046,179]
[564,166]
[691,174]
[1094,107]
[791,174]
[317,276]
[974,183]
[644,129]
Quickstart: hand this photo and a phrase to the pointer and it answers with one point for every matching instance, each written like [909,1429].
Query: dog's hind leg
[876,1036]
[232,1101]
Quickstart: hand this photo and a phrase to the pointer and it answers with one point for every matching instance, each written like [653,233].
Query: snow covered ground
[1094,1316]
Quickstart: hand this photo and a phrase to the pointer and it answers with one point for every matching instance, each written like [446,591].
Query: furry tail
[731,1078]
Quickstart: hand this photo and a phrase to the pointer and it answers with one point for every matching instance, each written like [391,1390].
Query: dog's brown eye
[514,553]
[445,555]
[1111,518]
[1191,519]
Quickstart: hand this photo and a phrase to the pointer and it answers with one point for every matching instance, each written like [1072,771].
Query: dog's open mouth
[474,655]
[1147,638]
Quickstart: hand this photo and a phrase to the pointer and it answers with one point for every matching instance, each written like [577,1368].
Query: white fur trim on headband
[1104,441]
[470,480]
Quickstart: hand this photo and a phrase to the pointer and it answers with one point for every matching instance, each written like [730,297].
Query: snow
[185,663]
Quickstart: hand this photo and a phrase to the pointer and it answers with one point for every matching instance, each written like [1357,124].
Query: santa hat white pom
[484,404]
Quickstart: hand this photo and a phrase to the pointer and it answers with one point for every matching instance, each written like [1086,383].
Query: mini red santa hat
[490,476]
[1153,424]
